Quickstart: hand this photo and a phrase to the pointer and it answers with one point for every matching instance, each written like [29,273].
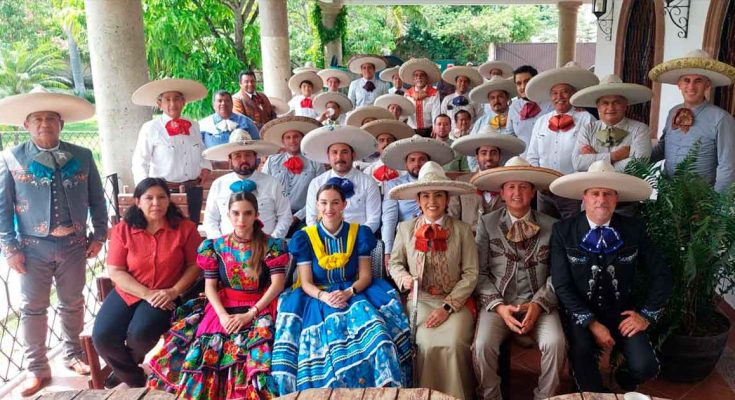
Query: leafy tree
[26,21]
[23,67]
[71,18]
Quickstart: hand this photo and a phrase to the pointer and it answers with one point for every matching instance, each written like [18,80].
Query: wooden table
[594,396]
[92,394]
[367,394]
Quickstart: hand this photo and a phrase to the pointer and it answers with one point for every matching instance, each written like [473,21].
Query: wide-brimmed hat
[611,85]
[479,94]
[515,169]
[387,74]
[343,76]
[358,60]
[15,109]
[696,62]
[572,74]
[394,155]
[280,106]
[315,144]
[431,178]
[420,64]
[509,145]
[307,67]
[451,74]
[399,130]
[356,116]
[602,174]
[407,107]
[321,100]
[485,68]
[294,83]
[147,95]
[274,129]
[240,140]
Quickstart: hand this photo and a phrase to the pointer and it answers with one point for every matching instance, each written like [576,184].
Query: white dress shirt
[476,110]
[363,208]
[173,158]
[295,186]
[361,97]
[639,140]
[426,110]
[522,129]
[273,207]
[554,150]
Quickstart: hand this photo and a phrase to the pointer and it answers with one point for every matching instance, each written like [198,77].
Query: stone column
[274,47]
[567,44]
[332,49]
[119,67]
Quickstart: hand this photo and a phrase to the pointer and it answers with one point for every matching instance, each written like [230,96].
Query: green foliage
[23,67]
[371,29]
[324,35]
[694,228]
[26,21]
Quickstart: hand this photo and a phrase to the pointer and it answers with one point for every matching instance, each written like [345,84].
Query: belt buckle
[61,231]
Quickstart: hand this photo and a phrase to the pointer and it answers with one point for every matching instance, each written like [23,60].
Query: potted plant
[694,229]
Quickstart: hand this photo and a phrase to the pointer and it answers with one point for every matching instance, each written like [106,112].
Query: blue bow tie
[245,185]
[460,101]
[601,240]
[348,189]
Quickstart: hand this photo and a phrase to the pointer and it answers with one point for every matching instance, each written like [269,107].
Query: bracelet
[257,310]
[319,295]
[354,291]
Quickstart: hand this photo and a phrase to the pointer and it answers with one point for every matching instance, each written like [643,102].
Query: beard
[245,169]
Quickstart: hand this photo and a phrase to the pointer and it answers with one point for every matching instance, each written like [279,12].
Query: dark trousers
[641,361]
[124,334]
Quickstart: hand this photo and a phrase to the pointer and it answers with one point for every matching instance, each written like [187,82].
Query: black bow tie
[400,92]
[369,86]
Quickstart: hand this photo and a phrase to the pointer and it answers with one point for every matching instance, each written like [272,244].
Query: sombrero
[280,107]
[358,60]
[294,83]
[509,145]
[602,174]
[407,107]
[387,74]
[485,68]
[315,144]
[398,129]
[450,75]
[572,74]
[240,140]
[356,116]
[274,129]
[15,109]
[307,67]
[611,85]
[344,77]
[394,155]
[420,64]
[431,178]
[697,62]
[479,94]
[516,169]
[147,95]
[321,100]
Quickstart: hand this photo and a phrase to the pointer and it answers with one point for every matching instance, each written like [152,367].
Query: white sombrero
[516,169]
[344,77]
[398,129]
[572,74]
[420,64]
[315,144]
[485,68]
[387,74]
[15,109]
[294,83]
[274,129]
[356,116]
[697,62]
[147,95]
[240,140]
[394,155]
[407,107]
[280,107]
[431,178]
[611,85]
[602,174]
[479,94]
[358,60]
[321,100]
[509,145]
[451,74]
[307,67]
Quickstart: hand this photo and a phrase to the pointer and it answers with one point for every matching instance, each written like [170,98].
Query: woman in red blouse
[152,260]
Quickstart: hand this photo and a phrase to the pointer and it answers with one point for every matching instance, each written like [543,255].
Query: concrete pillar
[119,66]
[274,47]
[567,43]
[329,18]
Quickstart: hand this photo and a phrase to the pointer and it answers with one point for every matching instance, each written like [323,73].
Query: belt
[62,231]
[176,186]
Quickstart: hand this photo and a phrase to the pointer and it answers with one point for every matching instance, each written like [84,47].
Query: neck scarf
[384,173]
[683,119]
[369,86]
[561,122]
[307,103]
[178,126]
[499,121]
[294,165]
[529,110]
[431,237]
[601,240]
[611,136]
[522,230]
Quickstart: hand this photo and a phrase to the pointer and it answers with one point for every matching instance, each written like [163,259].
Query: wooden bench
[121,394]
[97,374]
[367,394]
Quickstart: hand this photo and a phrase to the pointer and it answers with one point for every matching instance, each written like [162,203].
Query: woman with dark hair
[339,327]
[152,260]
[221,348]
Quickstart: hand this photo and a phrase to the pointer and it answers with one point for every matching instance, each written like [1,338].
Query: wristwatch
[447,308]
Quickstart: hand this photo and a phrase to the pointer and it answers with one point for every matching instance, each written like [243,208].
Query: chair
[97,374]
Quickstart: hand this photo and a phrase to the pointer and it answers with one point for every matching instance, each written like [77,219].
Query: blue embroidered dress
[366,344]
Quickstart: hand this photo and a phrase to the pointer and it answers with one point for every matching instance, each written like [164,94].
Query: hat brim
[222,152]
[479,94]
[344,78]
[485,68]
[409,191]
[315,144]
[394,155]
[494,178]
[356,116]
[399,130]
[419,64]
[15,109]
[279,106]
[407,108]
[633,93]
[147,95]
[628,187]
[321,100]
[450,75]
[294,83]
[720,73]
[356,62]
[273,130]
[540,85]
[387,74]
[509,146]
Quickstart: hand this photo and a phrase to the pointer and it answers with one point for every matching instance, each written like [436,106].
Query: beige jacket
[471,207]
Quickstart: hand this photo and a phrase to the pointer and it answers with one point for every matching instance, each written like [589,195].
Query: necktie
[384,173]
[348,189]
[460,101]
[611,136]
[178,126]
[307,103]
[294,165]
[561,122]
[522,230]
[498,122]
[683,119]
[369,86]
[431,237]
[529,110]
[601,240]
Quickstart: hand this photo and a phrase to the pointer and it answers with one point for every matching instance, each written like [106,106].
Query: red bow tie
[294,165]
[561,122]
[385,173]
[307,103]
[529,110]
[178,126]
